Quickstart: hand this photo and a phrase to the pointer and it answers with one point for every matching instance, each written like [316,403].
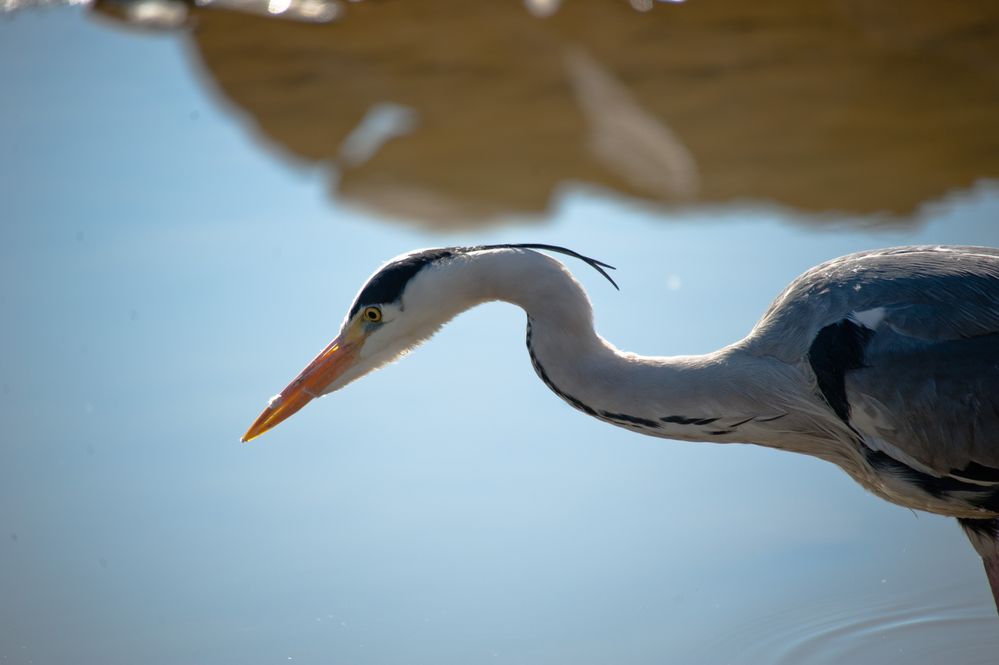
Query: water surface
[164,275]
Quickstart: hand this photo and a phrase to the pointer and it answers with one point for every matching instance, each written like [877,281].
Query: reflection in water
[382,123]
[148,14]
[172,14]
[8,6]
[626,138]
[842,107]
[542,8]
[309,11]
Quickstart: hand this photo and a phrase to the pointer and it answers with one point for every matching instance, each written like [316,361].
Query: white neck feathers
[715,397]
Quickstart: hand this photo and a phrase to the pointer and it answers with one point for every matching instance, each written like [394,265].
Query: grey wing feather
[933,405]
[926,390]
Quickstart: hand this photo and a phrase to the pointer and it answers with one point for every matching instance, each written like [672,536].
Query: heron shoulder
[928,292]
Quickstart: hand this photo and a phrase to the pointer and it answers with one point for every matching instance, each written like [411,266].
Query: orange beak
[334,360]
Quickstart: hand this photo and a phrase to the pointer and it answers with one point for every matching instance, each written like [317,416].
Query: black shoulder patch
[388,283]
[837,348]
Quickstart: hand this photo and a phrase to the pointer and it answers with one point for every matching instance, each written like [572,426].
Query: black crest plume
[593,263]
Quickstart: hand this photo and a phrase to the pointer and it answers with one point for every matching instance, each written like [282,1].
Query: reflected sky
[164,276]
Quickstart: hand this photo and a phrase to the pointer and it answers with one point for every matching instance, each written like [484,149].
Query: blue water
[164,274]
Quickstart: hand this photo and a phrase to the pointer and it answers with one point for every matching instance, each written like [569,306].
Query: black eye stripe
[388,284]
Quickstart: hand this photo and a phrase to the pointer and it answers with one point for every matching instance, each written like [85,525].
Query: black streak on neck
[551,385]
[618,418]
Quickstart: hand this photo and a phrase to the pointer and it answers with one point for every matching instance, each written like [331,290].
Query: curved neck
[715,397]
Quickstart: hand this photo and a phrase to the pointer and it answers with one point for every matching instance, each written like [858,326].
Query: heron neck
[713,397]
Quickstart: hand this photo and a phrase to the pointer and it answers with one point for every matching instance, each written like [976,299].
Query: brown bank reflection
[472,110]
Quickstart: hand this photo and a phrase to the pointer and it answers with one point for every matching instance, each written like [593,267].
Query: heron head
[403,303]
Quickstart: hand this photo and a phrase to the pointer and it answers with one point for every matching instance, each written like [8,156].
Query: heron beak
[334,360]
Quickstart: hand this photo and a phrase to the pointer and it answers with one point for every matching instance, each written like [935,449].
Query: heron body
[885,363]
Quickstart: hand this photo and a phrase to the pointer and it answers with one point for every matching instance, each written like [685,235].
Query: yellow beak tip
[309,384]
[253,433]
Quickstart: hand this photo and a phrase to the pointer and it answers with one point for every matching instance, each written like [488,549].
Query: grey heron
[885,363]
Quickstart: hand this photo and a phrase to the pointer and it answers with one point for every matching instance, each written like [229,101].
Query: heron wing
[904,345]
[931,404]
[909,356]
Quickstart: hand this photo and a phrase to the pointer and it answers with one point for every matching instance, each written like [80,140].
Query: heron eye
[372,314]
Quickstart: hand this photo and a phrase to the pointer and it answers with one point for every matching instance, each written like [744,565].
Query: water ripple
[927,629]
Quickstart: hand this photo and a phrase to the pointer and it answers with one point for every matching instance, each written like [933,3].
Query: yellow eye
[372,314]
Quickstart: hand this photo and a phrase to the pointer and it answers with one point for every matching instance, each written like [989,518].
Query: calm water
[164,274]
